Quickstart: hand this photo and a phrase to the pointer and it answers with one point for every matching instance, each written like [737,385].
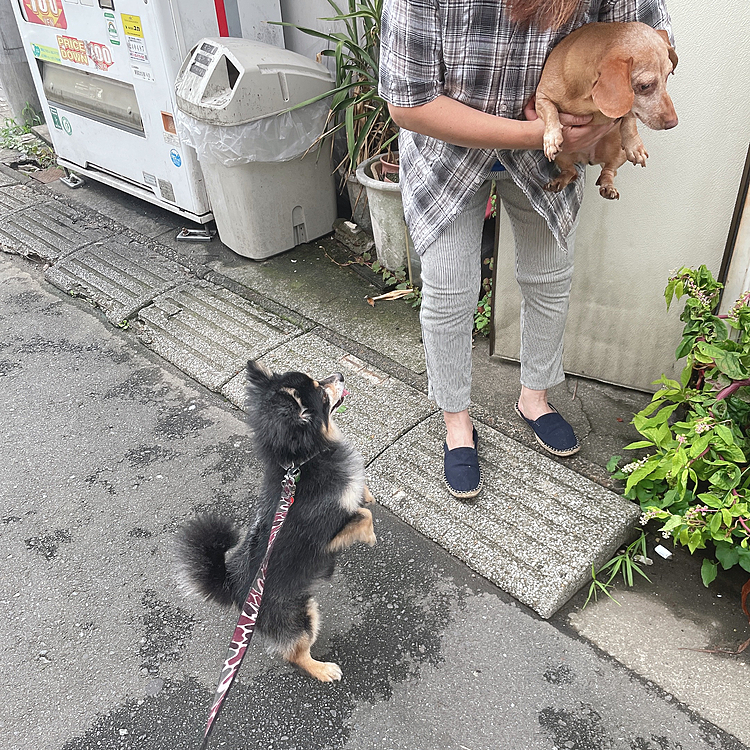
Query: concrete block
[534,530]
[209,332]
[15,197]
[378,409]
[50,230]
[120,276]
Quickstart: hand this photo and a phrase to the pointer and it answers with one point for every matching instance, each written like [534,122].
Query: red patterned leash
[243,632]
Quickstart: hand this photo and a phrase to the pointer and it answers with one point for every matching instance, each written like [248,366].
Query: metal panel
[676,212]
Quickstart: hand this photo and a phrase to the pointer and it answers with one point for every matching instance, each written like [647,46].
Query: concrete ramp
[534,530]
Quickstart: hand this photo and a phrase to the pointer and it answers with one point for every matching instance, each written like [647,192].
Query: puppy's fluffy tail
[202,545]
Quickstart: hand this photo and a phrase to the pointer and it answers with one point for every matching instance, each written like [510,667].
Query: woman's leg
[544,273]
[451,279]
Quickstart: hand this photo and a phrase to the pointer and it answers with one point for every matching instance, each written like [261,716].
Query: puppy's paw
[370,540]
[326,671]
[609,192]
[553,140]
[636,154]
[369,498]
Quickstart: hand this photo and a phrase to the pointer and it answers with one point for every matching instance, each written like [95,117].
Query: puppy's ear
[670,49]
[258,375]
[613,92]
[302,410]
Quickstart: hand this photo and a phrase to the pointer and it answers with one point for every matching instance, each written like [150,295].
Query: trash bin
[269,186]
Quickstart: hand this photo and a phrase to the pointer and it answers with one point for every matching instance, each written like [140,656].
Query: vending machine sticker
[143,73]
[137,49]
[45,12]
[112,33]
[47,54]
[132,25]
[73,50]
[55,118]
[100,55]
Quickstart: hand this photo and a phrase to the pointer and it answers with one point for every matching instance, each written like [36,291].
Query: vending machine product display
[105,72]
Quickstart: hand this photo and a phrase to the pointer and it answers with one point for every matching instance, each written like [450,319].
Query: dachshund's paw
[636,154]
[560,182]
[609,192]
[553,140]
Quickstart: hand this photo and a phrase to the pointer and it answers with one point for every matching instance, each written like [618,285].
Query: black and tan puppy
[292,419]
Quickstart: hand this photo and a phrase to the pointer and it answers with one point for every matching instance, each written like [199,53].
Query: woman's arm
[453,122]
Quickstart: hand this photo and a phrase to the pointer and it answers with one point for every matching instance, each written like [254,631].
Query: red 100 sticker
[100,55]
[45,12]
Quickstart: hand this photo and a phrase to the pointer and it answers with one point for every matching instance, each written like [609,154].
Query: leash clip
[289,480]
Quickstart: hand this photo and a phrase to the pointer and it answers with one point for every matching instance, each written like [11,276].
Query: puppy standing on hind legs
[292,419]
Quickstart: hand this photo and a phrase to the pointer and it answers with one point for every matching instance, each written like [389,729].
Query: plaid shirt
[469,50]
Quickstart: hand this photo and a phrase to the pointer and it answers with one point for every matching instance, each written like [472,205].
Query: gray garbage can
[270,188]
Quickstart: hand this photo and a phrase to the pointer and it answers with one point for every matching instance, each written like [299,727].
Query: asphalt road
[105,451]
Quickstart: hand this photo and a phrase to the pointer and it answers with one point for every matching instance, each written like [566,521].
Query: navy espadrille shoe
[553,433]
[461,471]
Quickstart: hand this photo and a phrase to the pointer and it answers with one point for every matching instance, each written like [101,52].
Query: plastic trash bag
[279,138]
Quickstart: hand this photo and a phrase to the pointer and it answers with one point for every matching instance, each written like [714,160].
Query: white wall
[307,13]
[675,212]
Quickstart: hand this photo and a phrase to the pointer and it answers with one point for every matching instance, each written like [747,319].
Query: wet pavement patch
[167,631]
[560,675]
[177,422]
[144,455]
[38,344]
[144,385]
[48,544]
[7,366]
[231,458]
[582,730]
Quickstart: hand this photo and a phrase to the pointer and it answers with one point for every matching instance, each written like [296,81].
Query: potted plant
[362,114]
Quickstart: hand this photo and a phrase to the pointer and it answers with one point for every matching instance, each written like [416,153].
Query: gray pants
[451,279]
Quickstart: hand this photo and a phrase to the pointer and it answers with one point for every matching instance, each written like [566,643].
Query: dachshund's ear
[258,375]
[670,48]
[613,92]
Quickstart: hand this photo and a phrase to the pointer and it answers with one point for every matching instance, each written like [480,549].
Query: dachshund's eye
[645,86]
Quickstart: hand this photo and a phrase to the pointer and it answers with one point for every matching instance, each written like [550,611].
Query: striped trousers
[451,280]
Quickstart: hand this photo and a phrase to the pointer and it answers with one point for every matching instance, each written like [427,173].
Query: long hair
[545,14]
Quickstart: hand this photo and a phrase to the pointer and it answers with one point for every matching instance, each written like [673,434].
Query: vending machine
[105,71]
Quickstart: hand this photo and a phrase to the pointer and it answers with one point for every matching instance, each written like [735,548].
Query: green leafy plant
[19,137]
[398,279]
[356,106]
[625,563]
[694,477]
[483,314]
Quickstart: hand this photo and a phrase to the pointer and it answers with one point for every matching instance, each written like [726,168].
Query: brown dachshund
[613,71]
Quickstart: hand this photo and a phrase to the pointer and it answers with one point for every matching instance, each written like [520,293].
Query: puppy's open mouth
[344,394]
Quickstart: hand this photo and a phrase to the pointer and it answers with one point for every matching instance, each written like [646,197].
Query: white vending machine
[105,72]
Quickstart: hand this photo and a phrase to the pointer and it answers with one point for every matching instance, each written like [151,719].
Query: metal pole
[15,76]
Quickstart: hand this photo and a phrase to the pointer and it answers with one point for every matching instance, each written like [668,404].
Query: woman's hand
[578,134]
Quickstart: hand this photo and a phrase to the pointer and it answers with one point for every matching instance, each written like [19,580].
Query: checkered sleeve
[652,12]
[411,65]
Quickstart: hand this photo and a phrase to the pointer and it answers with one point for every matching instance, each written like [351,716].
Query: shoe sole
[464,495]
[553,451]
